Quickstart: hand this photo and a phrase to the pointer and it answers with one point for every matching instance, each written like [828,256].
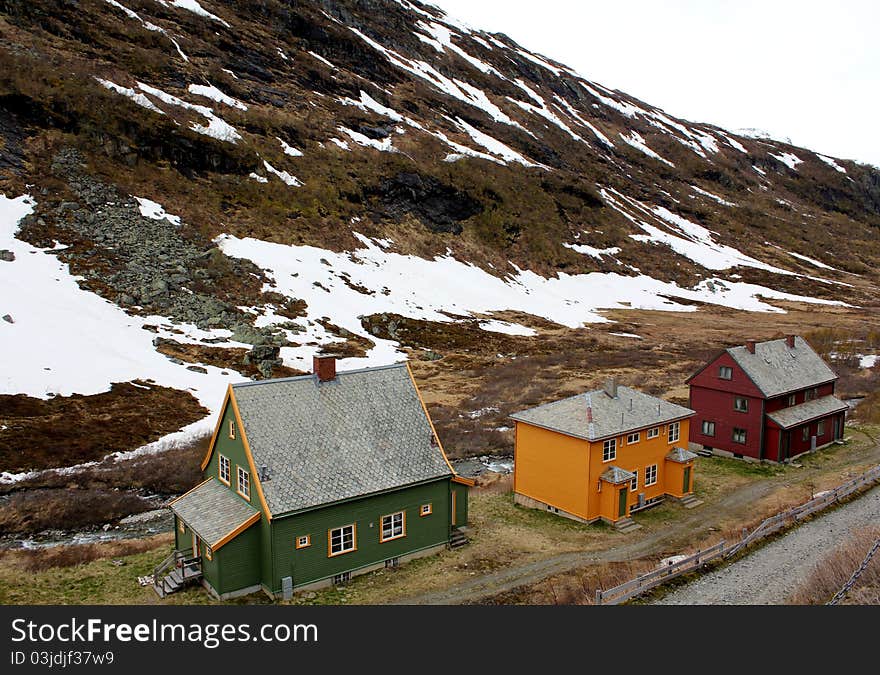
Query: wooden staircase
[176,571]
[457,539]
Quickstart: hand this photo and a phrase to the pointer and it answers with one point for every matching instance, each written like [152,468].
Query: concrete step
[690,502]
[626,525]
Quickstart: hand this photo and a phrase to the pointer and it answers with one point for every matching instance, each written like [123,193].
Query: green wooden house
[310,480]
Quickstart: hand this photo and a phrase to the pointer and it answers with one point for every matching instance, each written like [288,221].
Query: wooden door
[621,509]
[686,484]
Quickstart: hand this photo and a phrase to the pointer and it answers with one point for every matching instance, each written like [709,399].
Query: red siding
[780,402]
[740,382]
[771,442]
[717,406]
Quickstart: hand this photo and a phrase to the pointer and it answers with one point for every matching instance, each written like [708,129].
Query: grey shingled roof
[212,510]
[809,410]
[361,433]
[631,410]
[615,475]
[680,455]
[776,369]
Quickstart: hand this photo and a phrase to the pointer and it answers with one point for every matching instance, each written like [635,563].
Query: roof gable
[777,369]
[365,431]
[629,411]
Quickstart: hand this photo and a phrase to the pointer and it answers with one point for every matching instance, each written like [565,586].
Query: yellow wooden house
[603,454]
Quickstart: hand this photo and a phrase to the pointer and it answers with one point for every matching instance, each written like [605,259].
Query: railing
[190,568]
[781,520]
[771,525]
[645,582]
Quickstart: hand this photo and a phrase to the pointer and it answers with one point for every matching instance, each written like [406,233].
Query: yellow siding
[552,468]
[564,472]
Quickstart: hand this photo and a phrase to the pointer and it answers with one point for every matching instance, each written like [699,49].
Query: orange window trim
[232,429]
[308,539]
[383,539]
[453,507]
[423,512]
[354,540]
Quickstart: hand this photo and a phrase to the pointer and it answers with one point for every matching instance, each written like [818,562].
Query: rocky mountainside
[220,189]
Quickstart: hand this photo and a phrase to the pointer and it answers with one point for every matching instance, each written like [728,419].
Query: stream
[160,520]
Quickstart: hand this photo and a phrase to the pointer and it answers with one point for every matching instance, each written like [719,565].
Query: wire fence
[646,582]
[847,587]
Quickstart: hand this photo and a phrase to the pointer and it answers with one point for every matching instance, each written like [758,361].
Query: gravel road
[772,573]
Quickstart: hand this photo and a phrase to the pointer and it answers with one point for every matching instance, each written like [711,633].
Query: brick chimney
[324,367]
[750,345]
[610,387]
[789,340]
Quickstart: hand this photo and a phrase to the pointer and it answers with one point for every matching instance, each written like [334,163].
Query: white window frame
[223,462]
[738,402]
[792,400]
[653,433]
[650,475]
[725,370]
[805,434]
[232,429]
[303,541]
[744,433]
[820,428]
[426,509]
[243,480]
[634,483]
[609,450]
[674,432]
[706,433]
[396,526]
[633,438]
[333,549]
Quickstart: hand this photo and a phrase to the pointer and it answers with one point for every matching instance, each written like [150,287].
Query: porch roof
[680,455]
[214,513]
[615,475]
[788,418]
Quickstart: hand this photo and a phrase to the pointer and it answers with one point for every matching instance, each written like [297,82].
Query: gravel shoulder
[772,573]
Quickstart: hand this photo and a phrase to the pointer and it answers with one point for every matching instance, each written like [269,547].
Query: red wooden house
[766,400]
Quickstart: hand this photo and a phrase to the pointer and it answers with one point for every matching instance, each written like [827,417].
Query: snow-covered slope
[312,165]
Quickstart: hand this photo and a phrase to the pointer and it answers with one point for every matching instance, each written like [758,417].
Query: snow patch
[194,7]
[830,162]
[636,141]
[154,210]
[67,340]
[285,177]
[289,149]
[790,160]
[211,92]
[135,96]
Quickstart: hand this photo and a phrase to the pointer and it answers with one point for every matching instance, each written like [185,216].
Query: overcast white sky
[802,70]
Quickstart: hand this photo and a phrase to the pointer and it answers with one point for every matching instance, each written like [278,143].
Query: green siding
[238,562]
[211,568]
[257,551]
[461,503]
[234,450]
[182,541]
[266,553]
[313,564]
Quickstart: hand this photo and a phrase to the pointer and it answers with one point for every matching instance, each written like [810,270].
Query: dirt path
[699,522]
[772,573]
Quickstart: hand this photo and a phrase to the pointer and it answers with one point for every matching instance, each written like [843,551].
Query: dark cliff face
[405,120]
